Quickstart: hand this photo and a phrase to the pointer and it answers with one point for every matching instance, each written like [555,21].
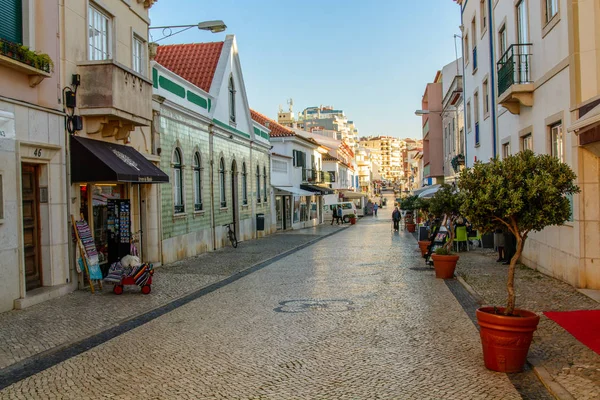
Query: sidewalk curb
[470,289]
[553,387]
[39,362]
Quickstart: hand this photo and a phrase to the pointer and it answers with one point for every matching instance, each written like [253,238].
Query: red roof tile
[195,62]
[277,130]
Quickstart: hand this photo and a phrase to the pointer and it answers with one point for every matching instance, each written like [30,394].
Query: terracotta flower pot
[411,227]
[352,221]
[423,245]
[505,339]
[444,265]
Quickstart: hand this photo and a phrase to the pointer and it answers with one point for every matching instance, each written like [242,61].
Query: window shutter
[11,20]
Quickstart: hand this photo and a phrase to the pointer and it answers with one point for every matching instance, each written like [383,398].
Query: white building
[479,81]
[530,65]
[299,199]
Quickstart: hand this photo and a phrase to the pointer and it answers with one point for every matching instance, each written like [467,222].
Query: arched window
[265,184]
[177,182]
[257,184]
[222,182]
[197,183]
[231,99]
[244,185]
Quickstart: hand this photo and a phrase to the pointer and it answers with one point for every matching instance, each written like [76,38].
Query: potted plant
[446,204]
[408,204]
[522,193]
[352,218]
[422,205]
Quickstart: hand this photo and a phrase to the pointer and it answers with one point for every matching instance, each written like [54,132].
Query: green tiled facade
[190,135]
[179,131]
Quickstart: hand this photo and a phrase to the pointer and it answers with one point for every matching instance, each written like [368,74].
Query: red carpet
[584,325]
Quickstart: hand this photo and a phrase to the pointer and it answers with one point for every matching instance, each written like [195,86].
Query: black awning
[319,190]
[97,161]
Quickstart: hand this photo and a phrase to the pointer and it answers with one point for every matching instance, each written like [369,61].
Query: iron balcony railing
[514,67]
[474,58]
[312,176]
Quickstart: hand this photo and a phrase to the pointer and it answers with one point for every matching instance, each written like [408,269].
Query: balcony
[312,176]
[113,98]
[474,59]
[515,84]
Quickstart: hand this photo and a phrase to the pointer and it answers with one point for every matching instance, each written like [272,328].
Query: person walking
[396,218]
[375,207]
[334,216]
[340,215]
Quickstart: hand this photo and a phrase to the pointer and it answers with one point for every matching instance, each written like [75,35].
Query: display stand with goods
[88,252]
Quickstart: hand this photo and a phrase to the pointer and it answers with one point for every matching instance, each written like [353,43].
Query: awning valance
[293,191]
[588,121]
[319,190]
[97,161]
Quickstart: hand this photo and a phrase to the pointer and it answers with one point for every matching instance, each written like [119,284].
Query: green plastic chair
[461,237]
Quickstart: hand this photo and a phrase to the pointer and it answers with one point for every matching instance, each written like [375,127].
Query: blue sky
[370,58]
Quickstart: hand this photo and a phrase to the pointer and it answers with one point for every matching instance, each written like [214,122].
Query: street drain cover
[421,268]
[306,305]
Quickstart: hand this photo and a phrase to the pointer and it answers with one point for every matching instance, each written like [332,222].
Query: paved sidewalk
[59,322]
[570,363]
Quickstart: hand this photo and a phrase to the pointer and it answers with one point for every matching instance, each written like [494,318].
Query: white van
[348,208]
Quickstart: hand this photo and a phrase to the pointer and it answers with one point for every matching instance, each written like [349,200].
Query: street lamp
[213,26]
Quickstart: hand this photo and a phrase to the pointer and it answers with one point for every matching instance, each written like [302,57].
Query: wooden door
[31,226]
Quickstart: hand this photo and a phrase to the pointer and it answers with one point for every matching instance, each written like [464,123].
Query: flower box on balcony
[37,66]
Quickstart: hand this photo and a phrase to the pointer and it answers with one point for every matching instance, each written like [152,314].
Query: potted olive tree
[408,204]
[445,203]
[422,205]
[522,193]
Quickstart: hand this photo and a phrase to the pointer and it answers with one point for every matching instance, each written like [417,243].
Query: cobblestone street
[345,317]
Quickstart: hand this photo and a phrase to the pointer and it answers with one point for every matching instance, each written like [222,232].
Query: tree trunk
[510,284]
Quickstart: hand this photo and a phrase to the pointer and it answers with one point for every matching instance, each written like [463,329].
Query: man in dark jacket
[396,218]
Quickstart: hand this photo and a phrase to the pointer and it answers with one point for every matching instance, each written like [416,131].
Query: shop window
[265,184]
[304,204]
[197,183]
[178,182]
[222,182]
[244,185]
[258,184]
[296,209]
[99,34]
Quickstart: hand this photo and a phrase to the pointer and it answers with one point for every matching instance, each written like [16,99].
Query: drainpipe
[492,74]
[212,184]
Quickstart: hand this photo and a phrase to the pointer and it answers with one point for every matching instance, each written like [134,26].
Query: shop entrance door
[234,199]
[31,226]
[279,212]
